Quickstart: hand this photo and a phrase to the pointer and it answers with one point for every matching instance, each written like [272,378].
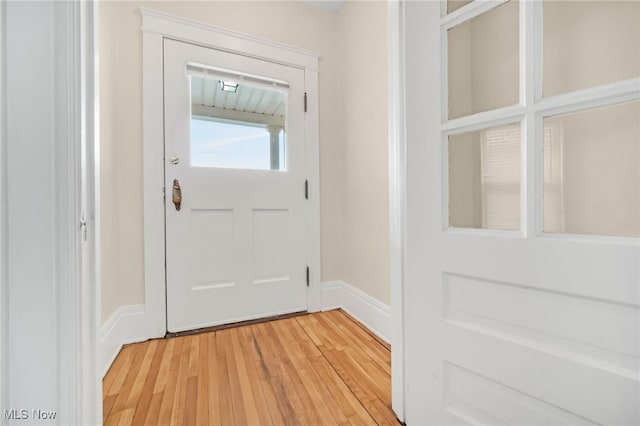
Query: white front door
[236,212]
[523,213]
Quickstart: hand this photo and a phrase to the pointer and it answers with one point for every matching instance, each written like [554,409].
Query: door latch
[177,194]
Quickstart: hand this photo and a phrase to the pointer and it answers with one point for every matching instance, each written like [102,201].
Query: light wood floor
[317,369]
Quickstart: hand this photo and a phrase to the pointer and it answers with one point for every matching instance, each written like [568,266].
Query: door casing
[156,27]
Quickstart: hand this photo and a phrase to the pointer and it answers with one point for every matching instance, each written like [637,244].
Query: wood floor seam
[339,375]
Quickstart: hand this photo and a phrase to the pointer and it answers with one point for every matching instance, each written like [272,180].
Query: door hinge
[306,189]
[83,225]
[305,101]
[307,276]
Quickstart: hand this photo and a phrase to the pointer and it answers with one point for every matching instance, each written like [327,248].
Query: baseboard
[375,315]
[126,325]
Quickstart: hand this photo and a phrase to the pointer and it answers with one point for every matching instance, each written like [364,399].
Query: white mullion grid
[443,8]
[469,11]
[531,147]
[593,97]
[530,111]
[444,76]
[444,178]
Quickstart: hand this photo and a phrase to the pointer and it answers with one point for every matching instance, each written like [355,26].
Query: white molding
[373,314]
[156,26]
[190,31]
[397,199]
[45,189]
[4,281]
[126,325]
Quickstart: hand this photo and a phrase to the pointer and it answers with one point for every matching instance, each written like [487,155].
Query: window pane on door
[589,43]
[484,178]
[484,62]
[592,171]
[237,126]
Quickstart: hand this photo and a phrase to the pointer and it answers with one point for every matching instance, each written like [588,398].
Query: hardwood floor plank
[126,418]
[177,414]
[191,400]
[117,370]
[120,403]
[230,391]
[317,369]
[202,409]
[163,373]
[349,404]
[216,378]
[146,393]
[153,414]
[247,349]
[107,404]
[168,398]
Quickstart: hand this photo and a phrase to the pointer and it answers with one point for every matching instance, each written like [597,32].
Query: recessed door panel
[212,249]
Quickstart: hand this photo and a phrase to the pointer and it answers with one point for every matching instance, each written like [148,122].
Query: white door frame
[397,200]
[156,26]
[55,84]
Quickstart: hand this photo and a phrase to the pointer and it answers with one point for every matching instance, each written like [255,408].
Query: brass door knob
[177,194]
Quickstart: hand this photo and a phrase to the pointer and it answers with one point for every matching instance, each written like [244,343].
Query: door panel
[506,321]
[234,140]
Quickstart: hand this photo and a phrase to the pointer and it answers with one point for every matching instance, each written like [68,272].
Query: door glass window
[237,126]
[483,69]
[589,43]
[484,178]
[592,171]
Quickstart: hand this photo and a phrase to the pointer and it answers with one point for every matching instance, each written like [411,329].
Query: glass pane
[592,171]
[237,126]
[484,178]
[589,43]
[456,4]
[483,62]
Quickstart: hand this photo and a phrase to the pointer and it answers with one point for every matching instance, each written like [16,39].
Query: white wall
[353,156]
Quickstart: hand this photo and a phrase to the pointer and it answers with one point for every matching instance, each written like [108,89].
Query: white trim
[190,31]
[156,26]
[4,280]
[373,314]
[49,275]
[467,12]
[126,325]
[397,199]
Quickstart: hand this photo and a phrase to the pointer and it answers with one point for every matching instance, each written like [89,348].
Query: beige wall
[353,162]
[365,193]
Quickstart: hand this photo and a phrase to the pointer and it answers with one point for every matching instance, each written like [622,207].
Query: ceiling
[254,101]
[332,5]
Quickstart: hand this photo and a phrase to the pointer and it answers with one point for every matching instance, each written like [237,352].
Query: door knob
[177,194]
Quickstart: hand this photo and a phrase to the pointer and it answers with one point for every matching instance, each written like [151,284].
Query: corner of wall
[372,313]
[126,325]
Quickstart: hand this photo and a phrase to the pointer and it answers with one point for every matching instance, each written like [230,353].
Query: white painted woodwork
[397,201]
[158,26]
[48,225]
[236,248]
[508,327]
